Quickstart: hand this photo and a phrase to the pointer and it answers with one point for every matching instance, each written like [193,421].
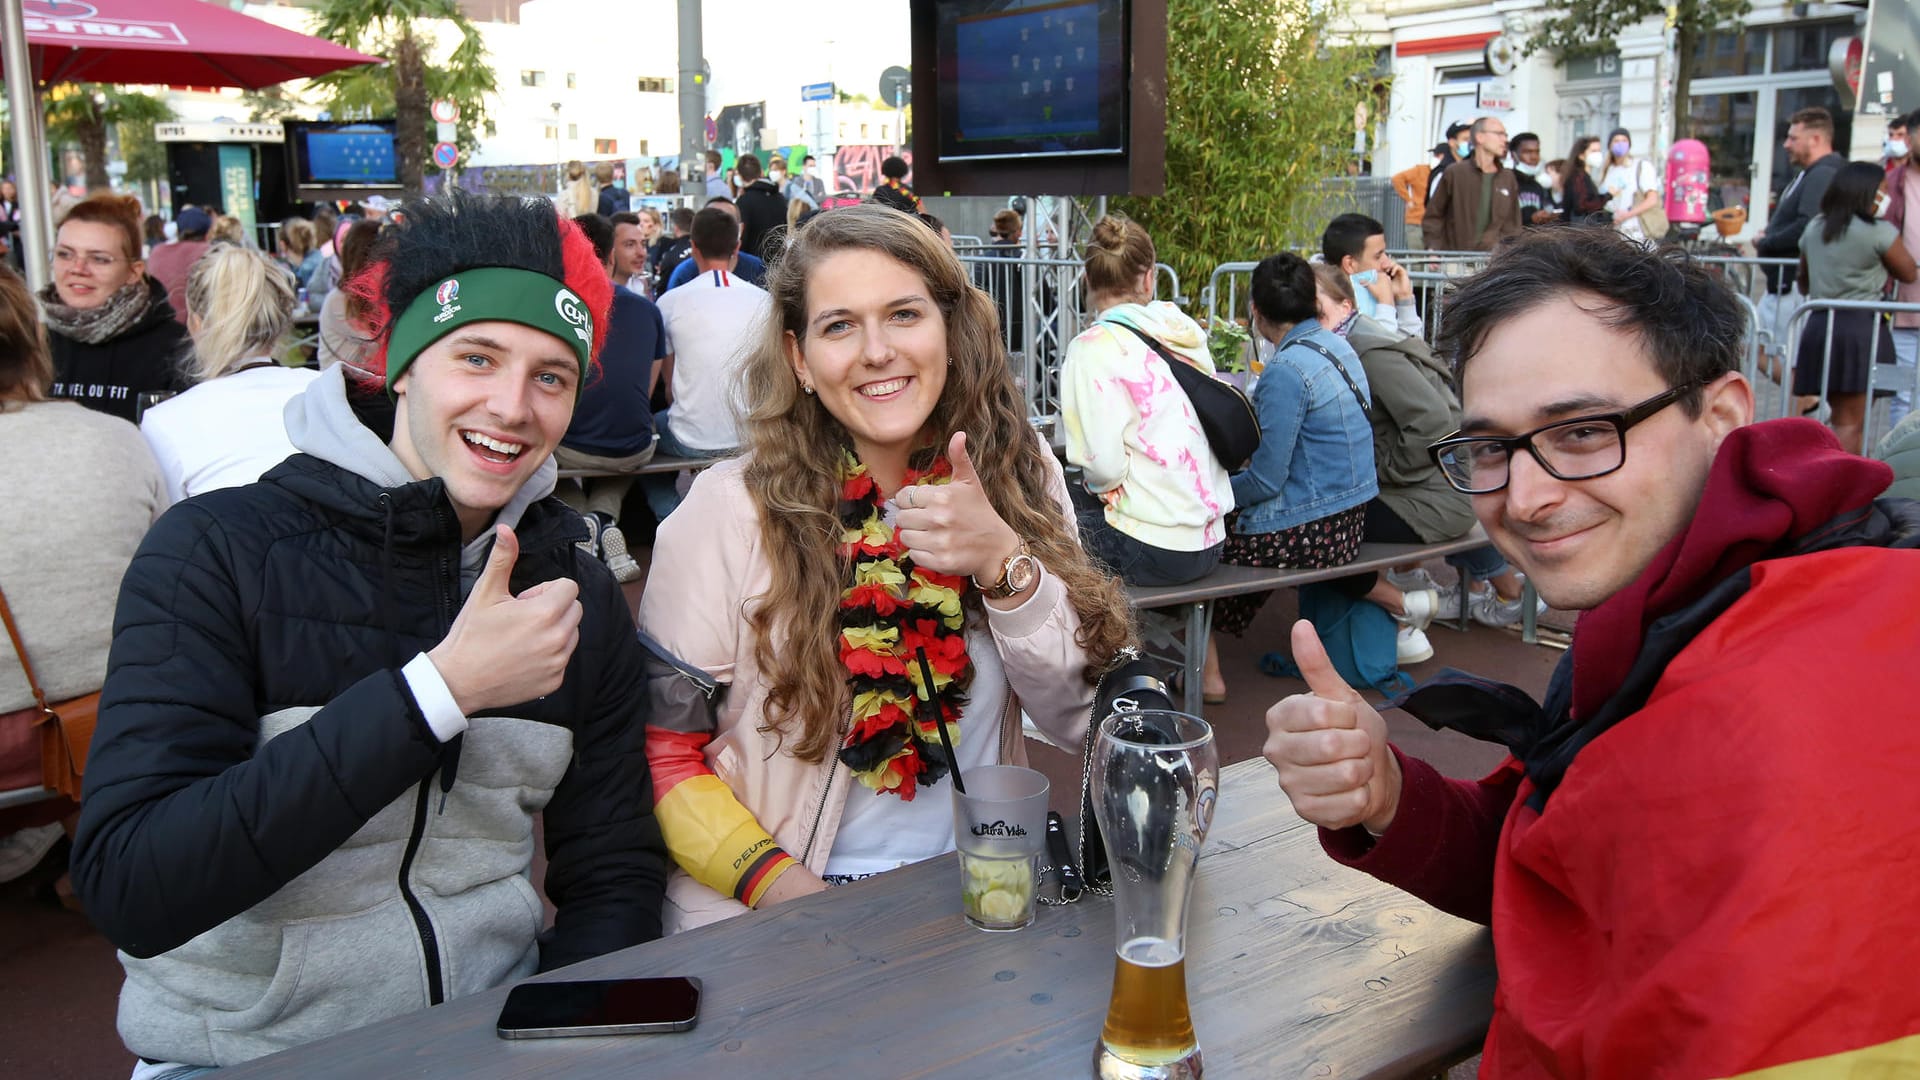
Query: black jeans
[1133,561]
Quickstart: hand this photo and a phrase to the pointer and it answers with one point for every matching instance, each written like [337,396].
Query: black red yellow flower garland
[889,611]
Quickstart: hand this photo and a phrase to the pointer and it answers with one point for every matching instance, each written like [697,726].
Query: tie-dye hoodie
[1133,433]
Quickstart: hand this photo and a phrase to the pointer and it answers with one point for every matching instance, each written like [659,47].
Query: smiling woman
[900,546]
[116,341]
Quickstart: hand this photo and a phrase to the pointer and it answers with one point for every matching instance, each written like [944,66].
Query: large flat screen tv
[1020,79]
[342,157]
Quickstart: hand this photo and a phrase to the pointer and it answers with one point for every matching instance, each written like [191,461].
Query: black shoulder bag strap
[1342,369]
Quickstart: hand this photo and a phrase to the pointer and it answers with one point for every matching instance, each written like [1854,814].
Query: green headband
[491,294]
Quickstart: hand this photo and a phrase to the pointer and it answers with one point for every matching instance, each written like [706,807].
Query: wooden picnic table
[1296,967]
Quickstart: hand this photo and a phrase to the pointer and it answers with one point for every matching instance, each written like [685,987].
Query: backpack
[1226,416]
[1359,637]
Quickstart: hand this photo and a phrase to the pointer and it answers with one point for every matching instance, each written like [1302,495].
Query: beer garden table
[1296,967]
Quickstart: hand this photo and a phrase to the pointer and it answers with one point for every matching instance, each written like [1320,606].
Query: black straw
[939,725]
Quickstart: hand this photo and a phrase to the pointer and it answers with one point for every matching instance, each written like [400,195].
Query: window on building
[883,133]
[643,148]
[1805,46]
[570,81]
[533,78]
[655,86]
[549,131]
[573,131]
[606,146]
[863,131]
[491,129]
[1729,52]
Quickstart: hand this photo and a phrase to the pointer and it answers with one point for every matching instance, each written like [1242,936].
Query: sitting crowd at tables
[886,551]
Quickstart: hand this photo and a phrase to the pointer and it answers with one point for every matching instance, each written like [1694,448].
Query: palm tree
[82,112]
[405,84]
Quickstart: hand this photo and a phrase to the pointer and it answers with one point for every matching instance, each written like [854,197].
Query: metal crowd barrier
[1043,306]
[1796,327]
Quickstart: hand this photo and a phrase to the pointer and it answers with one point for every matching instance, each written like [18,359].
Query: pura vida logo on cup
[572,310]
[446,294]
[998,828]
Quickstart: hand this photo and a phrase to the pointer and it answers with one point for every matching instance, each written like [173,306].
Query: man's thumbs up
[505,649]
[1310,656]
[1330,747]
[492,587]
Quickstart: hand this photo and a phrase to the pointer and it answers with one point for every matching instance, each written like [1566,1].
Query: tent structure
[170,42]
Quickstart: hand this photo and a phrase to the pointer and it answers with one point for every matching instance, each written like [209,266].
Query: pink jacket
[709,569]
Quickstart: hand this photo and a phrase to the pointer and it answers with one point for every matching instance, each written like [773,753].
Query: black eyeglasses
[1577,449]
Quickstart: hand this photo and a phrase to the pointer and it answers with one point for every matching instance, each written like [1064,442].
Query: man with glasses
[1696,856]
[1472,209]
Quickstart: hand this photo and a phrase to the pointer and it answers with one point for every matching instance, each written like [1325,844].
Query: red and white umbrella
[154,42]
[170,42]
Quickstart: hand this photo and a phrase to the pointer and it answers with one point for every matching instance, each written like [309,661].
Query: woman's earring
[808,387]
[949,361]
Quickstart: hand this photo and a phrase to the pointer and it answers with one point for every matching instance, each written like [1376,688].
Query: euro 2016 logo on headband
[572,310]
[446,294]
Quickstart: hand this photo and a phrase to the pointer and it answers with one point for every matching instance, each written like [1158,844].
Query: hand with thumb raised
[505,649]
[1330,747]
[953,527]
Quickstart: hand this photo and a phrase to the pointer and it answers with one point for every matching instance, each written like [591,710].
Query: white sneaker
[1410,646]
[1411,580]
[22,851]
[1488,609]
[1421,606]
[613,548]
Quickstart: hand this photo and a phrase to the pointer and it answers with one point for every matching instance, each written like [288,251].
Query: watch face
[1022,571]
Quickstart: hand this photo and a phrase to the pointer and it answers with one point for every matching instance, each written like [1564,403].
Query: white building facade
[1453,61]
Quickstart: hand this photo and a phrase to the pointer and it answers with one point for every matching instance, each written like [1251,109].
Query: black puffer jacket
[261,766]
[111,376]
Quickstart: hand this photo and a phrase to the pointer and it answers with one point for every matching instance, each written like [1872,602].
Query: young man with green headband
[338,697]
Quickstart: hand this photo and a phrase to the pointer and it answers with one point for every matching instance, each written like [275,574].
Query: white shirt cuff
[435,700]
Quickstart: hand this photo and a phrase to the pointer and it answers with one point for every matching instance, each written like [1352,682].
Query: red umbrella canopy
[171,42]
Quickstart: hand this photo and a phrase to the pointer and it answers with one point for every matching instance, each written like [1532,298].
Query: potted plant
[1231,347]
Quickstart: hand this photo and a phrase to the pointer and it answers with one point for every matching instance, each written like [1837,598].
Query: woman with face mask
[1632,184]
[1579,194]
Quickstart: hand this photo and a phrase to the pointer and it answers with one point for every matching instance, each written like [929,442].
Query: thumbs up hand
[952,528]
[1330,747]
[505,649]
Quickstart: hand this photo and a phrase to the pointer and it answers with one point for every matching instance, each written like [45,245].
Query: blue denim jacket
[1316,446]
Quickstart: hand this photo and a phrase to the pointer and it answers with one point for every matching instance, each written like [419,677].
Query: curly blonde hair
[792,473]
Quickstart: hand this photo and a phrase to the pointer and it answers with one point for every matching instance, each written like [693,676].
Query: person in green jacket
[1414,406]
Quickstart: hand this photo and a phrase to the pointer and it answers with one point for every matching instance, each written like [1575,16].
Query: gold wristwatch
[1017,575]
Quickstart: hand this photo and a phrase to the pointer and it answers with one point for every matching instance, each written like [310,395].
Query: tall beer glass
[1155,776]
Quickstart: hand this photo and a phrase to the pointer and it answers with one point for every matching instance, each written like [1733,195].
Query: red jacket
[1726,878]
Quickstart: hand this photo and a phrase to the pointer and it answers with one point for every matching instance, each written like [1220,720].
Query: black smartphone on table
[545,1010]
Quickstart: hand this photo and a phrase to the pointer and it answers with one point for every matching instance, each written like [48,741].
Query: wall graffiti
[857,168]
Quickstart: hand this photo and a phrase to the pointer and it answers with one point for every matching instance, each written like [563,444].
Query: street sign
[445,111]
[713,131]
[1494,94]
[445,132]
[820,91]
[446,155]
[896,86]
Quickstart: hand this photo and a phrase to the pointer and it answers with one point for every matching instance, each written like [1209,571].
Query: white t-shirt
[1625,183]
[224,432]
[712,322]
[884,832]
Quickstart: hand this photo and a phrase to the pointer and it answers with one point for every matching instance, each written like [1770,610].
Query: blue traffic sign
[446,155]
[820,91]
